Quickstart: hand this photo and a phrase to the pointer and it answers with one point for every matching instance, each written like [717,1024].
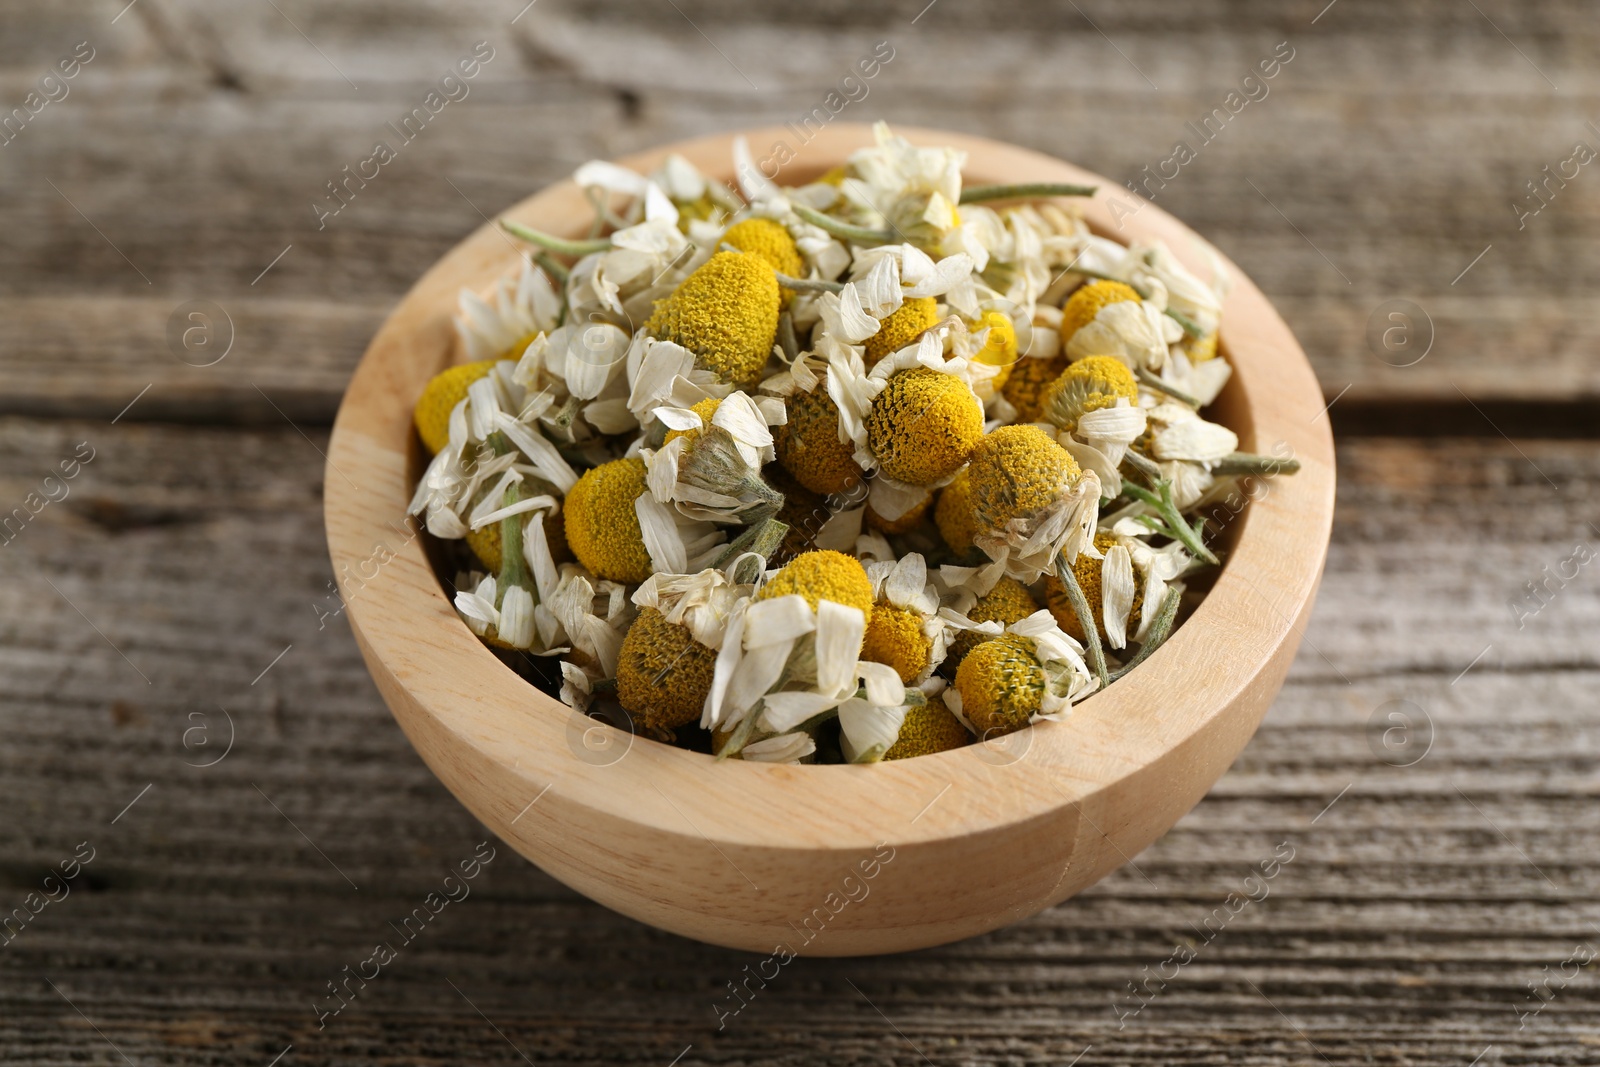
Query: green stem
[843,229]
[513,561]
[815,285]
[559,245]
[1160,627]
[1144,465]
[552,267]
[1080,608]
[1025,190]
[786,337]
[1181,530]
[1190,327]
[1148,379]
[1252,463]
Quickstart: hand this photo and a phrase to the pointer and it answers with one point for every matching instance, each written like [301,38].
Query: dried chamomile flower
[954,516]
[1026,385]
[1008,602]
[770,240]
[823,575]
[1085,305]
[440,396]
[1108,318]
[923,425]
[710,464]
[999,346]
[726,313]
[902,327]
[1031,672]
[811,447]
[913,189]
[905,631]
[1087,385]
[1031,500]
[518,310]
[668,658]
[602,524]
[1109,588]
[928,728]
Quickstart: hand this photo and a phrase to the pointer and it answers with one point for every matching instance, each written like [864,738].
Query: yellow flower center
[602,527]
[1017,472]
[1088,385]
[726,313]
[771,241]
[905,324]
[1087,570]
[663,673]
[705,409]
[823,575]
[1008,602]
[927,729]
[1001,685]
[808,445]
[895,637]
[1029,379]
[923,425]
[440,396]
[1082,306]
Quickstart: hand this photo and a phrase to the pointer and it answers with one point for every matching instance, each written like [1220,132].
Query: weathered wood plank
[1404,929]
[1396,155]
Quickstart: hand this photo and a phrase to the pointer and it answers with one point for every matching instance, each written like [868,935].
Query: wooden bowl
[828,860]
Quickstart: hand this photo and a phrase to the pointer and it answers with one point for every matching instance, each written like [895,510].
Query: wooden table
[1431,765]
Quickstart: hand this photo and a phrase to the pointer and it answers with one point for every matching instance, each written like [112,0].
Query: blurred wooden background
[1442,894]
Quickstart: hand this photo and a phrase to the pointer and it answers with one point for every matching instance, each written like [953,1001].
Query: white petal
[1116,594]
[659,526]
[840,630]
[781,619]
[867,732]
[758,671]
[905,582]
[785,711]
[785,748]
[882,683]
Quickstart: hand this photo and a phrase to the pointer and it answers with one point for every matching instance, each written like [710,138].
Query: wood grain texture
[1405,930]
[1406,925]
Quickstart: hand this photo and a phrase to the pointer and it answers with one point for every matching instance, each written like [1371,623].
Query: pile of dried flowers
[853,471]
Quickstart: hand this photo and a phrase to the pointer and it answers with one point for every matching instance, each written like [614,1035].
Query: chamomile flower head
[602,524]
[1000,685]
[1085,304]
[1201,349]
[1109,589]
[915,189]
[822,575]
[905,631]
[710,463]
[953,513]
[726,313]
[905,523]
[663,673]
[1032,671]
[999,346]
[1090,384]
[770,240]
[440,396]
[810,446]
[923,425]
[1031,501]
[901,327]
[1008,602]
[517,310]
[926,729]
[1029,379]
